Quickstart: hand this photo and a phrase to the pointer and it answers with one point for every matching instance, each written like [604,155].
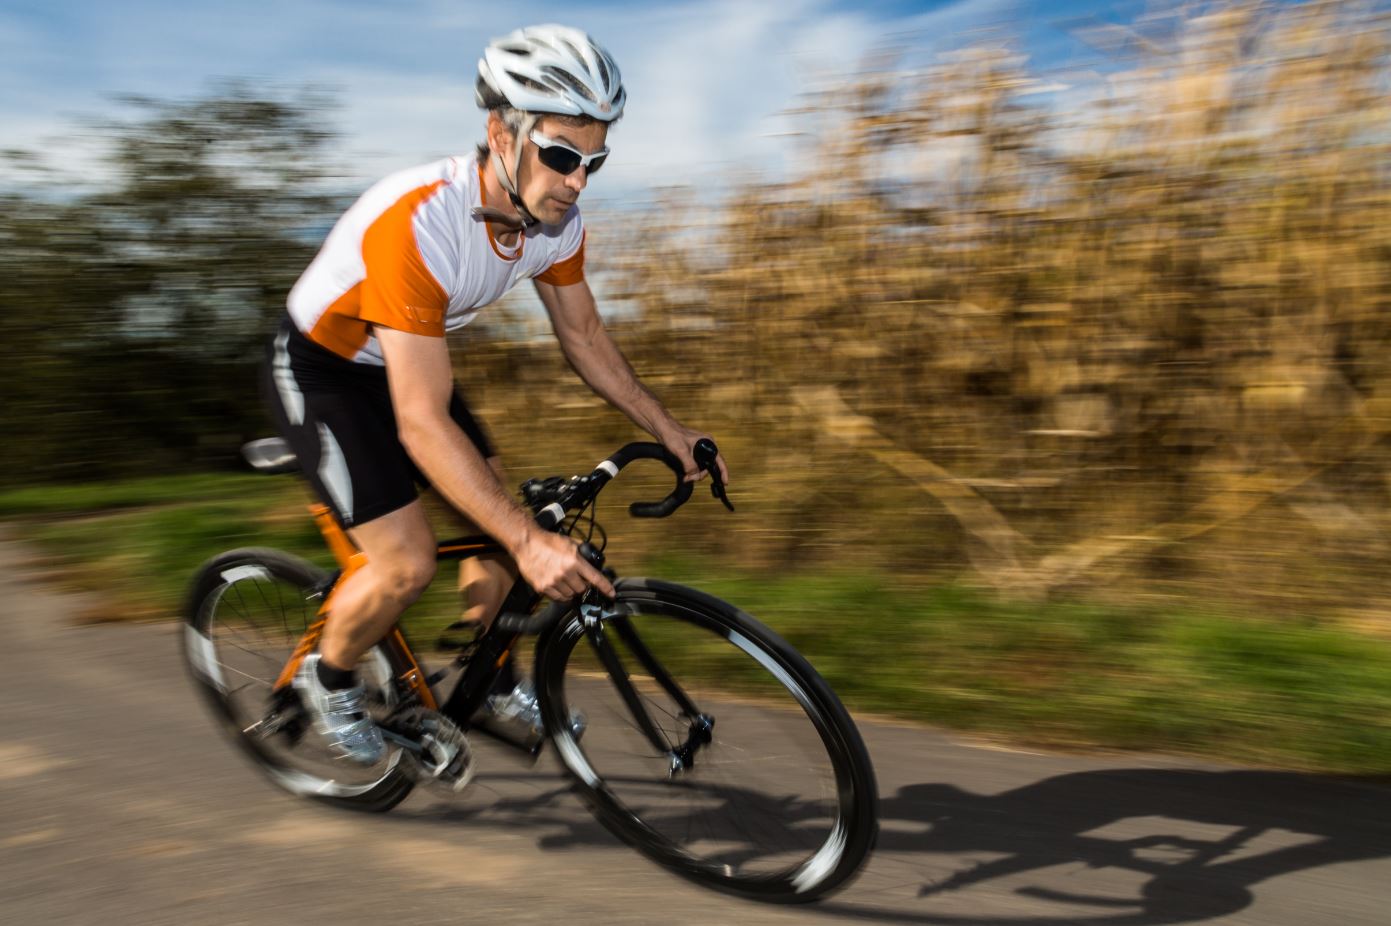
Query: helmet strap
[505,177]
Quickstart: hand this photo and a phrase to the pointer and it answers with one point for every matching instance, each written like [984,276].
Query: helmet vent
[570,47]
[533,85]
[570,81]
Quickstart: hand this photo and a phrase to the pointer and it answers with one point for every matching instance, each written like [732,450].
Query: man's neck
[497,198]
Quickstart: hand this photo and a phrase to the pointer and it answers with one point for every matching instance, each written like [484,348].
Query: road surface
[121,804]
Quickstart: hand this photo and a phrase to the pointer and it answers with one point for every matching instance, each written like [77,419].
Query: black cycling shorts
[338,418]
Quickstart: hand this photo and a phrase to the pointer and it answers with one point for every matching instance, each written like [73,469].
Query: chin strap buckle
[498,217]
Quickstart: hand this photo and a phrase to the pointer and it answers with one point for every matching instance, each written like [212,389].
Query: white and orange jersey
[410,255]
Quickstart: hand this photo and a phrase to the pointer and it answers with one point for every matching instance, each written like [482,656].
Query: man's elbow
[415,429]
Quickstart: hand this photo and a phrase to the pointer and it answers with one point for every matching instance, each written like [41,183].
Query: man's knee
[405,577]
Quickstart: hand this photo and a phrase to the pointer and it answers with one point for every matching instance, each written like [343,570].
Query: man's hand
[679,439]
[552,565]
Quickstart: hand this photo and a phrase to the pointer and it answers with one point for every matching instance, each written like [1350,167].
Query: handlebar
[705,453]
[648,451]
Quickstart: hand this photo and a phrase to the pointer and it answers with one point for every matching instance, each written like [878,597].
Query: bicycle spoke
[254,679]
[258,655]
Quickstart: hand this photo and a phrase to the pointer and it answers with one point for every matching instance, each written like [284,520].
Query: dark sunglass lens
[561,160]
[597,163]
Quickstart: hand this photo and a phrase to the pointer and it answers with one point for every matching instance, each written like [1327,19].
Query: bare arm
[421,383]
[599,362]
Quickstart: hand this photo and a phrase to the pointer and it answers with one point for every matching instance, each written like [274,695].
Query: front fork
[700,732]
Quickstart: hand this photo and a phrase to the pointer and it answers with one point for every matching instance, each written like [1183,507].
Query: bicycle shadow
[1192,845]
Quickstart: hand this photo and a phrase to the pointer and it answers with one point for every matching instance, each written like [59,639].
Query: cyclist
[359,378]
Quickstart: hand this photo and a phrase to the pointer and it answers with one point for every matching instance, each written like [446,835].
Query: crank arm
[404,742]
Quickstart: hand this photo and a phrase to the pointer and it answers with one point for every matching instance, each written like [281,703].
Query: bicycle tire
[244,592]
[759,754]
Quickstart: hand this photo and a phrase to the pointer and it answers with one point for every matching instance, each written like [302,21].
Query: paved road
[119,804]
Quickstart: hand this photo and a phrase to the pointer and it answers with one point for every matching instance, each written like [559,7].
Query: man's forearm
[599,362]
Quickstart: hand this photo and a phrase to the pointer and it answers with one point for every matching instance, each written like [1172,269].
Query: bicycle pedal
[276,723]
[285,717]
[439,754]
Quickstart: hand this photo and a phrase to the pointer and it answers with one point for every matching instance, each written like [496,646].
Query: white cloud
[707,80]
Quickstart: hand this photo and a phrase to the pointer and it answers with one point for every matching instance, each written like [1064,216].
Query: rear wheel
[247,610]
[711,745]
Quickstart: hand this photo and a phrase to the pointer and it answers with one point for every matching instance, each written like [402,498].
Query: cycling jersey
[411,256]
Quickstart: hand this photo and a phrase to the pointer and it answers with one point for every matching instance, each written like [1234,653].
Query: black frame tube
[477,679]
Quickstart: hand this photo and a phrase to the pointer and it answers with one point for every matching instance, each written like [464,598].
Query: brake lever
[705,453]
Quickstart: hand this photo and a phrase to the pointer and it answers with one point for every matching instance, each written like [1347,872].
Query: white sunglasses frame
[545,141]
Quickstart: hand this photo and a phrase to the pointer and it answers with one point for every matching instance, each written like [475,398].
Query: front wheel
[711,745]
[246,611]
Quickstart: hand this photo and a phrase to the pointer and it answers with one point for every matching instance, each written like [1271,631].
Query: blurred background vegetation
[1117,349]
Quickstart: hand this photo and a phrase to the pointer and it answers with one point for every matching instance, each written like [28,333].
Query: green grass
[152,490]
[137,543]
[1234,688]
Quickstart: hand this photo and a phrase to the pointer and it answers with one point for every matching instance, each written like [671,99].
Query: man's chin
[558,210]
[552,211]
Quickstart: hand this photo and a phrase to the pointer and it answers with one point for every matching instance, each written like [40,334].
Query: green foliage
[88,497]
[135,300]
[139,543]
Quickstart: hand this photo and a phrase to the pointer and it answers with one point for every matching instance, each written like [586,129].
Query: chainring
[445,761]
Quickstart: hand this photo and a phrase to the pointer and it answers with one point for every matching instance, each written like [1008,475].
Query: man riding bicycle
[360,381]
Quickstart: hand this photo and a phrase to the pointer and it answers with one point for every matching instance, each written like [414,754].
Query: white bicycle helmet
[539,70]
[551,69]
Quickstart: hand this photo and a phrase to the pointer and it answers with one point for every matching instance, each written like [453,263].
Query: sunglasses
[563,159]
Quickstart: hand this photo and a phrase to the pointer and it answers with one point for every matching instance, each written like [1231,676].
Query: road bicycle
[691,731]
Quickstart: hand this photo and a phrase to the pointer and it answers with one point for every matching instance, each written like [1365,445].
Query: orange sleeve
[399,291]
[569,271]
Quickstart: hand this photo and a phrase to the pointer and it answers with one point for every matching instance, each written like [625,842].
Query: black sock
[335,679]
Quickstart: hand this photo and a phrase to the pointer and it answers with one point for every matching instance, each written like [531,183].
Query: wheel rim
[763,802]
[247,628]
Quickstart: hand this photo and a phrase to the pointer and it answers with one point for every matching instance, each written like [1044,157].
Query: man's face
[548,194]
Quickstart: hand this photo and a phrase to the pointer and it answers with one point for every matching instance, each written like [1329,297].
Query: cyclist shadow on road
[1158,846]
[1133,847]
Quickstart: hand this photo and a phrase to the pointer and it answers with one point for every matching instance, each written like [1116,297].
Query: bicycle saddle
[270,455]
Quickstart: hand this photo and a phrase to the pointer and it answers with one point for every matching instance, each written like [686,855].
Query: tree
[137,308]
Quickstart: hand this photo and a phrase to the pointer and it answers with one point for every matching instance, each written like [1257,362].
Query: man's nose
[578,179]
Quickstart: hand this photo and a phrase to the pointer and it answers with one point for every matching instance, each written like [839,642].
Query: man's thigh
[399,536]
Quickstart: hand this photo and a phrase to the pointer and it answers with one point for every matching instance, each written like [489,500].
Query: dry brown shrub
[1138,345]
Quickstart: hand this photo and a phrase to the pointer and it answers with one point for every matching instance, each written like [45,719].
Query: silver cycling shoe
[340,716]
[516,716]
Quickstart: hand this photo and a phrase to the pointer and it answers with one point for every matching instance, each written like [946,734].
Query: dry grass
[1140,344]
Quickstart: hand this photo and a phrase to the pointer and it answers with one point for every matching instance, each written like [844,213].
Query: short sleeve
[399,291]
[566,271]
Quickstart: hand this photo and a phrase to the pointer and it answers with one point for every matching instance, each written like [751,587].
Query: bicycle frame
[409,674]
[496,643]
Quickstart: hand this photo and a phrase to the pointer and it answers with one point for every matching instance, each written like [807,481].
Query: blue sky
[706,80]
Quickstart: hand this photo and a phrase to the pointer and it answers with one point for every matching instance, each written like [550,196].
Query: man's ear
[500,137]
